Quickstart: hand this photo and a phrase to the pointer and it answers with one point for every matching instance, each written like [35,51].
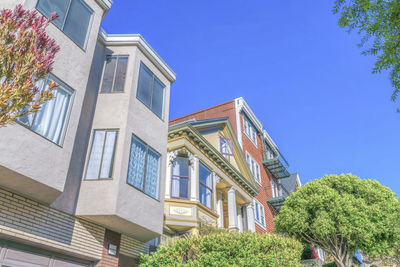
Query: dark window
[114,74]
[180,178]
[205,186]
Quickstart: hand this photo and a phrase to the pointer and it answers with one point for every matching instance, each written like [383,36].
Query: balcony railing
[274,162]
[276,201]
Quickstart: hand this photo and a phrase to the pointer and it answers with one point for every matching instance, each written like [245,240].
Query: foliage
[26,56]
[378,21]
[342,214]
[308,253]
[227,249]
[331,264]
[207,229]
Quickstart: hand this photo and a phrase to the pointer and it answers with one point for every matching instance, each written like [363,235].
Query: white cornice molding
[270,141]
[140,42]
[242,106]
[105,4]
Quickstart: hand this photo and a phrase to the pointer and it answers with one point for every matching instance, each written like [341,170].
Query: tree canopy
[342,214]
[378,21]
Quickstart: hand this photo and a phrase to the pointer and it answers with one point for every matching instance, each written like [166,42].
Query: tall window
[254,167]
[205,186]
[51,119]
[269,154]
[101,158]
[73,17]
[180,178]
[250,130]
[226,146]
[114,74]
[274,189]
[259,214]
[150,91]
[144,168]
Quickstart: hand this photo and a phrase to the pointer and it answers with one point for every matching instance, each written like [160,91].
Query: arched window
[180,178]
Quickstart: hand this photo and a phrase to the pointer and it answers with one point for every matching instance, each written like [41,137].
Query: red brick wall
[106,259]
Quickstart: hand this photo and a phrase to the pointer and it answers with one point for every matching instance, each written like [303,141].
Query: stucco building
[263,158]
[72,175]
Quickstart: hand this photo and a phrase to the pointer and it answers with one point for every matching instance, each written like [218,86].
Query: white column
[250,217]
[232,209]
[194,182]
[239,219]
[214,183]
[220,209]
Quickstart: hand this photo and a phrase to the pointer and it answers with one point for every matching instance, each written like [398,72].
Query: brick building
[262,155]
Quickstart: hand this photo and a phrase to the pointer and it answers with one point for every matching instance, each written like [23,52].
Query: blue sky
[301,74]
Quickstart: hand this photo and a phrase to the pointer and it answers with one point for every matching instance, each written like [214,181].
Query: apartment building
[208,180]
[264,160]
[72,175]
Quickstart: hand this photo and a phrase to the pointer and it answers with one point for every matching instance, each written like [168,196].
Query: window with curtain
[143,168]
[74,17]
[254,167]
[51,119]
[250,130]
[150,91]
[101,157]
[114,74]
[180,178]
[226,146]
[205,186]
[259,214]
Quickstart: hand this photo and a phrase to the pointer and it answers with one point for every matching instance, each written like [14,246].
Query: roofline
[140,42]
[243,106]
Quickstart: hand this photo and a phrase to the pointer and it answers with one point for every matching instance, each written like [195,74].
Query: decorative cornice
[187,130]
[105,4]
[242,106]
[140,42]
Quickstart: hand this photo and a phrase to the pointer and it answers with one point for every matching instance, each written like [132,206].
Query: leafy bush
[308,253]
[227,249]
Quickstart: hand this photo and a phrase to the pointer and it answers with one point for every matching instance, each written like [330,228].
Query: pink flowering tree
[26,56]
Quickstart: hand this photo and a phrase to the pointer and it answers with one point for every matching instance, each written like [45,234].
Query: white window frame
[274,188]
[254,168]
[260,208]
[249,130]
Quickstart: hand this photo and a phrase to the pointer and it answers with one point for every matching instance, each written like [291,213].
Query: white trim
[242,106]
[262,225]
[258,168]
[251,129]
[140,42]
[238,122]
[105,4]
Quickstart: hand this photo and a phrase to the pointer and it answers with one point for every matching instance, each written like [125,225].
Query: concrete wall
[22,149]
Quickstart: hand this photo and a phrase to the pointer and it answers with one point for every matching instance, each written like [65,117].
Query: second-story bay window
[101,158]
[114,74]
[144,168]
[51,119]
[205,186]
[74,17]
[150,91]
[180,178]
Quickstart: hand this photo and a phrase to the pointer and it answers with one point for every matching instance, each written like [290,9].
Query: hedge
[227,249]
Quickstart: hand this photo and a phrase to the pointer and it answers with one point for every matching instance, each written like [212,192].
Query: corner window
[51,119]
[101,158]
[205,186]
[150,91]
[254,167]
[259,213]
[226,147]
[144,168]
[250,130]
[114,74]
[73,17]
[180,178]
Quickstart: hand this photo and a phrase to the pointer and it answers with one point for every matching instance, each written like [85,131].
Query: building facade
[208,181]
[71,175]
[264,160]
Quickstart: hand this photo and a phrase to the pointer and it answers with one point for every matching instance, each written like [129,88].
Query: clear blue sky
[300,73]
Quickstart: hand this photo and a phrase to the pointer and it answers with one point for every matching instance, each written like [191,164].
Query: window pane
[46,7]
[157,98]
[92,172]
[120,74]
[180,187]
[108,75]
[137,160]
[28,119]
[180,167]
[205,196]
[144,85]
[77,22]
[108,155]
[152,173]
[50,120]
[205,175]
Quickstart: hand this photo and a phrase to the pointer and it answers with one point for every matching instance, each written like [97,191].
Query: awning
[276,168]
[276,202]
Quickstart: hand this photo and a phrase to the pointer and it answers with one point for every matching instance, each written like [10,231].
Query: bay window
[114,74]
[144,168]
[180,178]
[205,186]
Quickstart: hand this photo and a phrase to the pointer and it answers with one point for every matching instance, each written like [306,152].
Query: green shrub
[227,249]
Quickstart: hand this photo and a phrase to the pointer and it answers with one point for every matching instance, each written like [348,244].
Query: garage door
[13,257]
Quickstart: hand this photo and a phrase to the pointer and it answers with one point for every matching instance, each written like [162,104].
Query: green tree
[227,249]
[26,56]
[342,214]
[378,21]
